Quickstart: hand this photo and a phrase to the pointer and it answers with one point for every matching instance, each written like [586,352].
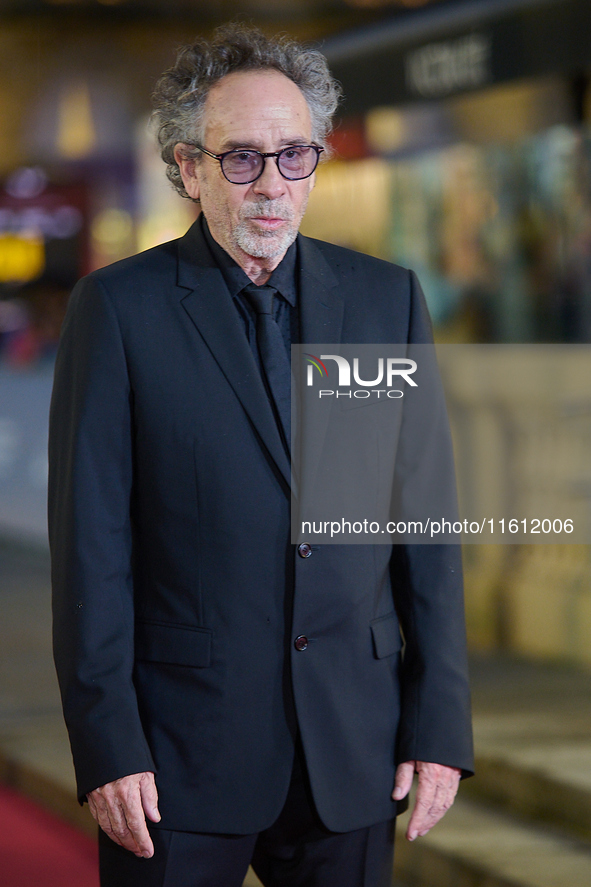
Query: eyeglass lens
[297,162]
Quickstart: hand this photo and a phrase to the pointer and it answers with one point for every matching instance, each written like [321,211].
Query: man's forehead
[255,98]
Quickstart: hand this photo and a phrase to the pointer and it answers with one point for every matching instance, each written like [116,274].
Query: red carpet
[39,850]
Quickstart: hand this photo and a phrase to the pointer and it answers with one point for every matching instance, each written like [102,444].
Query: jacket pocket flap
[386,635]
[173,644]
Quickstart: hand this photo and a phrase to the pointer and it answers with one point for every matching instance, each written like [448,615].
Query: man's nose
[271,183]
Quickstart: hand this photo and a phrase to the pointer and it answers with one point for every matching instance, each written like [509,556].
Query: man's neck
[259,274]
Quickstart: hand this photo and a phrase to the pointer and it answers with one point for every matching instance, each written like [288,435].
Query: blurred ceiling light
[385,130]
[26,183]
[76,136]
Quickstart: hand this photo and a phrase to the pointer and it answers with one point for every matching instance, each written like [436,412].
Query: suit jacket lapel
[321,322]
[210,307]
[321,311]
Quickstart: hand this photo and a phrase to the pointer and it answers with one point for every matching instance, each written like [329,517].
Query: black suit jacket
[177,592]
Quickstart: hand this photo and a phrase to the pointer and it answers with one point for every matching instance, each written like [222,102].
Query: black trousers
[296,851]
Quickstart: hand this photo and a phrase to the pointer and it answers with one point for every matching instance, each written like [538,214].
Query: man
[230,697]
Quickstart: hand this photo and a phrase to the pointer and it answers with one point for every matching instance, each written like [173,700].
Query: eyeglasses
[241,167]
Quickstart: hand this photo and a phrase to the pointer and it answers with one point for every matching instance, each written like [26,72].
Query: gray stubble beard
[266,244]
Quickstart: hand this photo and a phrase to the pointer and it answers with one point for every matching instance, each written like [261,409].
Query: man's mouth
[268,224]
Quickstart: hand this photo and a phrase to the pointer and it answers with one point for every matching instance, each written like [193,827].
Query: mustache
[267,209]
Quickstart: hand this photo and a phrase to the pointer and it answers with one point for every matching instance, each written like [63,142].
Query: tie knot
[260,298]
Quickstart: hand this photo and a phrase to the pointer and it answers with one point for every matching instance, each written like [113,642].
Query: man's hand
[119,809]
[438,786]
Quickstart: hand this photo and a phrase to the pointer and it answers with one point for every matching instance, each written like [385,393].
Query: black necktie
[274,357]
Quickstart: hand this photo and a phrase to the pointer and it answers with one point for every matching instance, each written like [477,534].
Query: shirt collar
[283,278]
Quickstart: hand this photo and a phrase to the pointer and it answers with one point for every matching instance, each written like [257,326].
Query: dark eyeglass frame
[276,154]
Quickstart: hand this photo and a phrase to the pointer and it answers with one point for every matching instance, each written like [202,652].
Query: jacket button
[304,550]
[301,642]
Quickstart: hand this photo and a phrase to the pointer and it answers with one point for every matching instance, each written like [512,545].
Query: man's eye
[244,157]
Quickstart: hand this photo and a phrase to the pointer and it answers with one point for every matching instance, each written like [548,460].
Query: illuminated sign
[439,69]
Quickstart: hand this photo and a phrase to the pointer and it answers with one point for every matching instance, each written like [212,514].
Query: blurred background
[462,150]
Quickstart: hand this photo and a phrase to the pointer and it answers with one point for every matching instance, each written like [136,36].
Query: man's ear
[188,169]
[312,180]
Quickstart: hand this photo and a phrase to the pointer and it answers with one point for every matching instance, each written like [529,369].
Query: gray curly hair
[181,92]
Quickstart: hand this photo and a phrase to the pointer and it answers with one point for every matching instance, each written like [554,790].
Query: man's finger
[436,791]
[403,780]
[121,823]
[133,831]
[429,808]
[440,805]
[423,803]
[99,811]
[149,797]
[119,811]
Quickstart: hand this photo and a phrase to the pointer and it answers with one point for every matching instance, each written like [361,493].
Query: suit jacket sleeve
[435,722]
[90,489]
